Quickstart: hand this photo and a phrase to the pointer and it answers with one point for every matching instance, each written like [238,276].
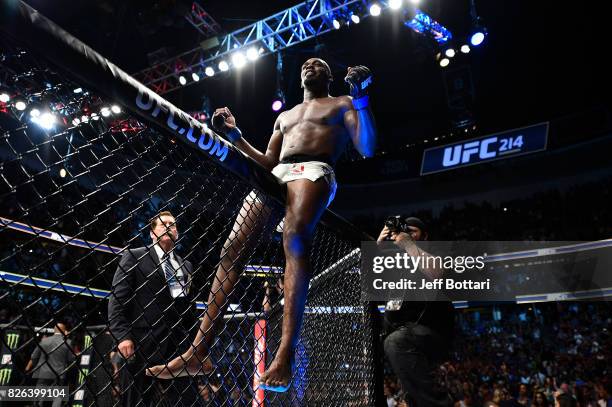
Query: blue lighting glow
[477,38]
[423,23]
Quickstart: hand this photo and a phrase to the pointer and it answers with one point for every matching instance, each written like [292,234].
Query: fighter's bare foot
[278,376]
[188,364]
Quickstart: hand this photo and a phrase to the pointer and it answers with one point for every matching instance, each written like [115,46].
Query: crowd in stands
[550,354]
[580,212]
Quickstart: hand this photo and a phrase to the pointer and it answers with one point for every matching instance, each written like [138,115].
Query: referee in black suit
[151,312]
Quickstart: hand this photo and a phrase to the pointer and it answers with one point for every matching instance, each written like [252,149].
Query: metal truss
[272,34]
[202,21]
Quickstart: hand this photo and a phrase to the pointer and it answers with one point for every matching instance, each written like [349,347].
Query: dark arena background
[105,123]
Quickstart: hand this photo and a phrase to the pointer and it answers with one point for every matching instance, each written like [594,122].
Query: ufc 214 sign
[488,148]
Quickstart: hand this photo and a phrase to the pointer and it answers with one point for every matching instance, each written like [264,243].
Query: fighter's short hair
[326,65]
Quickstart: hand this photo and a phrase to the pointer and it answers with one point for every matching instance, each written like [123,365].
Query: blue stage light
[477,38]
[423,23]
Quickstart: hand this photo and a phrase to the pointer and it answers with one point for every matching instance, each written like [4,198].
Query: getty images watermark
[485,271]
[430,267]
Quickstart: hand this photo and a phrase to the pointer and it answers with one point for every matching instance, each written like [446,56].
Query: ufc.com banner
[486,271]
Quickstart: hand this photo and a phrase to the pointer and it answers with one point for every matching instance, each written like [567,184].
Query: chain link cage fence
[82,174]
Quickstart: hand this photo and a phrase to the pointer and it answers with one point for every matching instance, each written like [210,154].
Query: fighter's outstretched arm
[361,128]
[358,118]
[269,159]
[271,156]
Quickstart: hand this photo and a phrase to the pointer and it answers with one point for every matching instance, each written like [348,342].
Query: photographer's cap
[415,222]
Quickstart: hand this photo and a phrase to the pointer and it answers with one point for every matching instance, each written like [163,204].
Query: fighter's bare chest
[312,114]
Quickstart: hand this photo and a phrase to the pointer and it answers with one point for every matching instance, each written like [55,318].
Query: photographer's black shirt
[439,316]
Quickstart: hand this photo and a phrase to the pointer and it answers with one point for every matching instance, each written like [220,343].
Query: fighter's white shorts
[312,170]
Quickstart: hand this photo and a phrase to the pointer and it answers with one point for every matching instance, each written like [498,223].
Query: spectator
[466,401]
[205,395]
[51,360]
[523,395]
[564,399]
[539,400]
[390,397]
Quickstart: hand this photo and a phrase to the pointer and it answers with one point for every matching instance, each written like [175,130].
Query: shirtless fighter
[306,142]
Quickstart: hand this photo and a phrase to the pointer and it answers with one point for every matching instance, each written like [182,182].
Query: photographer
[419,333]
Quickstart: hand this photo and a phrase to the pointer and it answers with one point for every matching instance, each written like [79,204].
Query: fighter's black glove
[224,122]
[359,78]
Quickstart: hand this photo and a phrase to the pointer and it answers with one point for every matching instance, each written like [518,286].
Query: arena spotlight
[76,121]
[34,112]
[478,33]
[223,66]
[375,9]
[279,99]
[62,173]
[277,104]
[4,97]
[465,48]
[395,4]
[105,111]
[78,90]
[336,24]
[94,116]
[195,76]
[252,54]
[84,119]
[209,71]
[45,120]
[115,109]
[415,2]
[444,62]
[238,59]
[20,105]
[182,80]
[478,36]
[450,52]
[355,18]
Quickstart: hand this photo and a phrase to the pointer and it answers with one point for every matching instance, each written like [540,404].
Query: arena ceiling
[534,66]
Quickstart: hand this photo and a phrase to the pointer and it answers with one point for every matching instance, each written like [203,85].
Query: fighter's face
[315,71]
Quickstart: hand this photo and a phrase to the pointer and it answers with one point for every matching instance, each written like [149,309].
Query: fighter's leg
[306,202]
[247,228]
